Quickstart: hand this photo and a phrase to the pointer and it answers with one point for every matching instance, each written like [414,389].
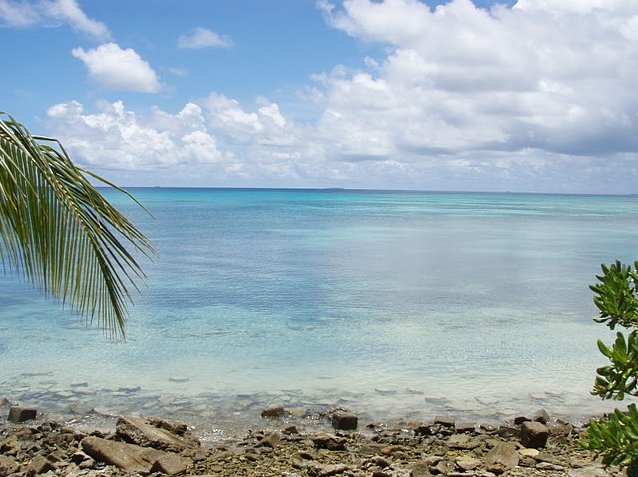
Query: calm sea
[395,304]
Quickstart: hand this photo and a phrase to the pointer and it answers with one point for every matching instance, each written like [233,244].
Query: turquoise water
[395,304]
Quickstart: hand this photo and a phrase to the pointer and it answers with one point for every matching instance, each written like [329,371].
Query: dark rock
[541,416]
[507,431]
[171,464]
[501,457]
[424,430]
[127,457]
[534,434]
[178,428]
[346,421]
[39,465]
[22,414]
[273,412]
[8,466]
[328,441]
[143,433]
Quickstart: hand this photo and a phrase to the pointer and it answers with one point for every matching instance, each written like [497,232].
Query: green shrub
[616,436]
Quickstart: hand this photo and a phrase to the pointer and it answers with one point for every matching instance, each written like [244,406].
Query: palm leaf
[59,232]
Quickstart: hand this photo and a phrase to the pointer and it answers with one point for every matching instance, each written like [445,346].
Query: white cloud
[118,69]
[211,141]
[552,75]
[204,38]
[47,12]
[116,138]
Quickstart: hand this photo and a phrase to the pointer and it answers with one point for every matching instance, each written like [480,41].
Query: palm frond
[59,232]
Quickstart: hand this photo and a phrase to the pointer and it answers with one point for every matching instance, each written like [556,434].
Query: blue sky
[534,95]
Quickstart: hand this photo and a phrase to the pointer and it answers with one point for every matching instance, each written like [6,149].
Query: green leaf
[59,232]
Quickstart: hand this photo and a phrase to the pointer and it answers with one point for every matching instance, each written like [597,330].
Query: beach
[330,442]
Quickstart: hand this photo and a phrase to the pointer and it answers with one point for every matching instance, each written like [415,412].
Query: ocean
[393,304]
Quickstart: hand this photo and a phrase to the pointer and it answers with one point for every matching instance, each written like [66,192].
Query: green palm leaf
[59,232]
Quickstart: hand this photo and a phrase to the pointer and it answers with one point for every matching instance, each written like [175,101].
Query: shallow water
[394,304]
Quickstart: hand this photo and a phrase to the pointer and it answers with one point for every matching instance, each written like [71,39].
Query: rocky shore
[330,443]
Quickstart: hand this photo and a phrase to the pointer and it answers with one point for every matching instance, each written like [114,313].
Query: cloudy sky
[527,95]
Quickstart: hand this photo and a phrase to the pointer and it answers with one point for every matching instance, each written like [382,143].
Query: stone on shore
[143,433]
[171,464]
[22,414]
[8,466]
[541,416]
[346,421]
[276,412]
[501,457]
[534,434]
[127,457]
[328,441]
[39,465]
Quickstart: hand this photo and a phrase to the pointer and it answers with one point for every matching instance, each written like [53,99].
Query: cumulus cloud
[203,38]
[550,75]
[118,69]
[116,138]
[215,134]
[47,12]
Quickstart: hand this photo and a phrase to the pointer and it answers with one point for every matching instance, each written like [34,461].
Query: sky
[520,96]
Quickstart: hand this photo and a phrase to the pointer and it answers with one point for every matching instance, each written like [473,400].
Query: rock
[143,433]
[178,428]
[39,465]
[507,431]
[528,452]
[534,434]
[501,457]
[11,445]
[549,466]
[464,427]
[420,469]
[443,467]
[520,420]
[466,462]
[462,441]
[171,464]
[327,470]
[328,441]
[591,471]
[541,416]
[445,421]
[127,457]
[8,466]
[346,421]
[21,414]
[424,430]
[273,412]
[271,440]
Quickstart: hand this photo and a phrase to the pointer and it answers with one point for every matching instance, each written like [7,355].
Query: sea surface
[393,304]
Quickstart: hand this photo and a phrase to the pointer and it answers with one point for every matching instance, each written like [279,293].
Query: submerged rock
[346,421]
[22,414]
